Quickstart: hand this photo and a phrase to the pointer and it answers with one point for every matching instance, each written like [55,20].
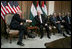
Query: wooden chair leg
[10,38]
[54,31]
[24,37]
[6,36]
[36,32]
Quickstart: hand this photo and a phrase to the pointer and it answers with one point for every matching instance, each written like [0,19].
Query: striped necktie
[68,19]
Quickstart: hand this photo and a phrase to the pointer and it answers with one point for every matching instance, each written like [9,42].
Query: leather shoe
[48,37]
[68,33]
[19,43]
[64,35]
[41,37]
[31,36]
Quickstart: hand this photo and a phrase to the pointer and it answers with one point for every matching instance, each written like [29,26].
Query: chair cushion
[14,32]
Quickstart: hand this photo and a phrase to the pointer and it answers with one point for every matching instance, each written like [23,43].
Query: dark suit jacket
[44,19]
[66,19]
[59,19]
[16,20]
[53,21]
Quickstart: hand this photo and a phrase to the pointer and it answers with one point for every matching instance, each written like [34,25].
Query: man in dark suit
[59,17]
[17,23]
[67,20]
[62,21]
[42,22]
[53,19]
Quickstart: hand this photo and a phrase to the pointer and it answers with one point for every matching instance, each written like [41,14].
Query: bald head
[68,13]
[19,12]
[54,14]
[38,12]
[59,14]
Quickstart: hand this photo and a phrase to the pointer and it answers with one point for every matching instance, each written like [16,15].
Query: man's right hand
[58,22]
[63,21]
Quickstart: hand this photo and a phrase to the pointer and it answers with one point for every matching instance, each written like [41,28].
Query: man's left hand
[21,23]
[45,24]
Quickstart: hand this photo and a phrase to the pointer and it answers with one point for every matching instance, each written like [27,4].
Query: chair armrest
[7,28]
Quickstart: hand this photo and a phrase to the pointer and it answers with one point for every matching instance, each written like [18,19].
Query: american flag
[4,11]
[9,7]
[16,5]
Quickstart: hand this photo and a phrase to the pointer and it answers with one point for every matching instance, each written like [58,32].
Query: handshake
[29,21]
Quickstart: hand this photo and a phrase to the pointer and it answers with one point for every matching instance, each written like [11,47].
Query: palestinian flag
[44,8]
[33,13]
[38,7]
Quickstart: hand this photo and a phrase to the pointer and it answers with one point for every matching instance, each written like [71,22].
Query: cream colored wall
[51,7]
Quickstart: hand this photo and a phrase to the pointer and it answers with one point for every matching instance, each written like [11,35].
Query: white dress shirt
[40,19]
[69,20]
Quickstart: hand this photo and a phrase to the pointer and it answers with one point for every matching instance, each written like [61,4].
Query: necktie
[54,19]
[69,20]
[60,18]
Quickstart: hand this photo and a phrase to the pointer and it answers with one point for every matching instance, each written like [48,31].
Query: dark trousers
[67,27]
[22,30]
[58,26]
[41,29]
